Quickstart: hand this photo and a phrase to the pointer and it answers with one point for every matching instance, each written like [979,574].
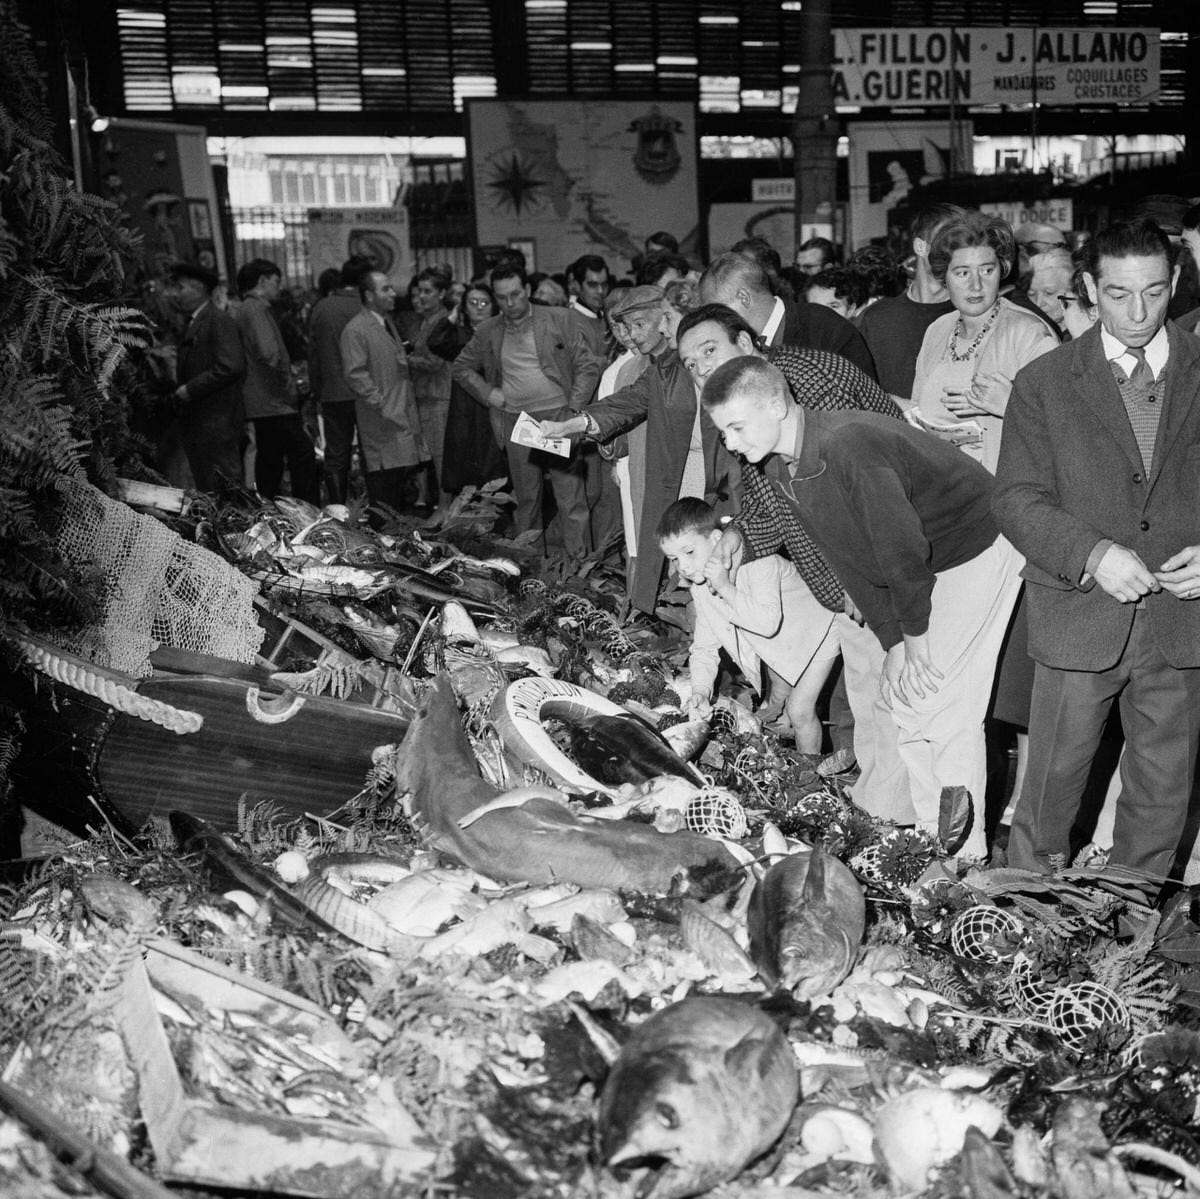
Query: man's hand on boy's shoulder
[718,578]
[728,550]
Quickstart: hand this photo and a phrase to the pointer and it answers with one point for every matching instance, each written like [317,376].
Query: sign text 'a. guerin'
[931,67]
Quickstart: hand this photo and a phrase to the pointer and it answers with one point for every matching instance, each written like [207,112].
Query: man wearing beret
[684,455]
[209,370]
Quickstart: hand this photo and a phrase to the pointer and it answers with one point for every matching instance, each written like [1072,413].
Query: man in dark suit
[738,282]
[209,370]
[1098,485]
[533,359]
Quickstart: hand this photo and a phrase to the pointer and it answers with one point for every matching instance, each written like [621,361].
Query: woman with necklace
[970,356]
[965,372]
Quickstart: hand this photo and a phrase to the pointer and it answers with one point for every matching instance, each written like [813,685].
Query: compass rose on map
[514,185]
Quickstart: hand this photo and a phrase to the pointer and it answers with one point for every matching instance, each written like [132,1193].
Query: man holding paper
[532,363]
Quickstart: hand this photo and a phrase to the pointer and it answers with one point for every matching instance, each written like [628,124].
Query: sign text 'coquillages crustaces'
[975,66]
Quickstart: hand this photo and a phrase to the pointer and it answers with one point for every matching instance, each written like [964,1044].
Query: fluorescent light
[591,45]
[245,90]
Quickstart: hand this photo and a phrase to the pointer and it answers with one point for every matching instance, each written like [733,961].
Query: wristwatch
[590,427]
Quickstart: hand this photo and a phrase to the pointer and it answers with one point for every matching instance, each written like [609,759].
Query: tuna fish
[806,921]
[698,1092]
[617,749]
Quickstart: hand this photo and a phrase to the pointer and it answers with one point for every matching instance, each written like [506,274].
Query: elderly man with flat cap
[209,370]
[684,455]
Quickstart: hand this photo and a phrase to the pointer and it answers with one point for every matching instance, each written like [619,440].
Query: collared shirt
[582,309]
[774,322]
[199,311]
[379,317]
[1158,348]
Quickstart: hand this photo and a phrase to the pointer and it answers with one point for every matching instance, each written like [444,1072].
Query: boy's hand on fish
[698,706]
[852,610]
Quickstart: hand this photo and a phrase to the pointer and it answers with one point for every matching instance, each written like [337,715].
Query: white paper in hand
[528,432]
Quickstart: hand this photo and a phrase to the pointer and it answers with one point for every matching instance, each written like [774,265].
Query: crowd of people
[970,474]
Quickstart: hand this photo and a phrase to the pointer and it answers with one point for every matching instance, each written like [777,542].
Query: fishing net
[716,812]
[985,933]
[158,588]
[1079,1010]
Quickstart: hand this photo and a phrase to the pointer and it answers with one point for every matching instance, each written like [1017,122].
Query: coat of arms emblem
[657,157]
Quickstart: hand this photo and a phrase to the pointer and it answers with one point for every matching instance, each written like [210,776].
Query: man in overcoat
[376,370]
[1098,486]
[684,455]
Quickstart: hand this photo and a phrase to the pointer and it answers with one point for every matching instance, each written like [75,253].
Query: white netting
[985,933]
[158,588]
[716,812]
[1080,1009]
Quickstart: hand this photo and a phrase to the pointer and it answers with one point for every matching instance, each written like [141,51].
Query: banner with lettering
[875,68]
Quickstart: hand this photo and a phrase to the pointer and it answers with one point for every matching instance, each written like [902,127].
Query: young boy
[767,617]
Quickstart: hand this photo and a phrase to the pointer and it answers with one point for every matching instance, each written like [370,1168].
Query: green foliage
[66,340]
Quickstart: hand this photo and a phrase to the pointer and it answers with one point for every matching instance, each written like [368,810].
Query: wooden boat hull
[83,764]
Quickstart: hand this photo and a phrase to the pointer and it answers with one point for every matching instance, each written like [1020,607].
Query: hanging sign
[982,65]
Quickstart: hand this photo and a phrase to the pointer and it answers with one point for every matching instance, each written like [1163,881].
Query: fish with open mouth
[806,921]
[698,1092]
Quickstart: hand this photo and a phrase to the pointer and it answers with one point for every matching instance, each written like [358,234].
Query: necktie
[1142,375]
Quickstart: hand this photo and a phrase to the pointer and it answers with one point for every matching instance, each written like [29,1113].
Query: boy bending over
[767,617]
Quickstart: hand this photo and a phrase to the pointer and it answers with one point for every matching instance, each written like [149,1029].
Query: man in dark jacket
[327,376]
[904,520]
[1098,485]
[738,282]
[209,370]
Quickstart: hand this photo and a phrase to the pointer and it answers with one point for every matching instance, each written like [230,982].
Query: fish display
[806,921]
[699,1091]
[540,841]
[617,749]
[220,856]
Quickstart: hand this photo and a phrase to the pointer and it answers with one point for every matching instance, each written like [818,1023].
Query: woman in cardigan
[970,356]
[965,372]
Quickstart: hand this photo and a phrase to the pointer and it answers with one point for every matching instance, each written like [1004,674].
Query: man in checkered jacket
[820,380]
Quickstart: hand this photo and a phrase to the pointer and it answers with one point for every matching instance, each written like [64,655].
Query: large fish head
[815,950]
[814,956]
[659,1112]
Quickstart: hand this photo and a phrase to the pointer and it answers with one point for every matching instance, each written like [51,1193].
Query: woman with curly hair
[970,356]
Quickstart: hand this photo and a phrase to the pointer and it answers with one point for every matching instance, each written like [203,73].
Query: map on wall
[563,178]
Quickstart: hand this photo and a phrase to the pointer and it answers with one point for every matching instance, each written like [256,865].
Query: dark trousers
[339,425]
[528,468]
[280,439]
[603,496]
[214,452]
[389,489]
[1160,712]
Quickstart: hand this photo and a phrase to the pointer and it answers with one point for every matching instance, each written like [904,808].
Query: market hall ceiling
[424,59]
